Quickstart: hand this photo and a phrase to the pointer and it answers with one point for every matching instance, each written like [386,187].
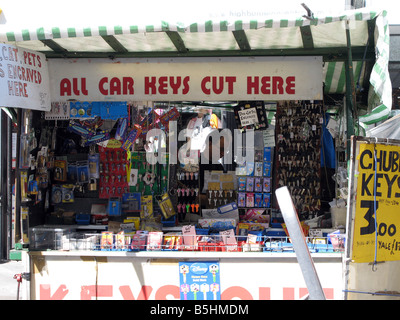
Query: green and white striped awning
[46,33]
[132,34]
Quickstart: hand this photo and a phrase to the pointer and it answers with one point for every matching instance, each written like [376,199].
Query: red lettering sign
[66,87]
[217,84]
[116,86]
[88,292]
[18,89]
[171,292]
[162,85]
[267,85]
[127,294]
[290,85]
[45,292]
[167,85]
[32,59]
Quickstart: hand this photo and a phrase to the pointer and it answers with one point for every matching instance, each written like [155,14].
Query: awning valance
[46,32]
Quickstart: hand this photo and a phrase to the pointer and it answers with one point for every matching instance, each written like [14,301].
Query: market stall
[119,178]
[128,177]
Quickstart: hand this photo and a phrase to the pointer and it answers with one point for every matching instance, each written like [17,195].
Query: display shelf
[273,256]
[92,227]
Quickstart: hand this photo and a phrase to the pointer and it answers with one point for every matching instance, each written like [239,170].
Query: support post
[299,244]
[350,92]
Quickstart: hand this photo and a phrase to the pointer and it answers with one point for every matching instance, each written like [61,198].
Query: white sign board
[144,278]
[24,79]
[210,79]
[248,117]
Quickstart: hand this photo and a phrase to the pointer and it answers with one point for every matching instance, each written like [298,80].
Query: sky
[391,6]
[88,12]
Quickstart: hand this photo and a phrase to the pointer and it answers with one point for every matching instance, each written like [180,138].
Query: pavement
[9,285]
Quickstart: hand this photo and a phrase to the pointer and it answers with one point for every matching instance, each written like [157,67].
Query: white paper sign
[24,79]
[269,136]
[248,116]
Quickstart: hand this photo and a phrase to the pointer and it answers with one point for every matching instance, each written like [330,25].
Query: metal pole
[350,92]
[9,186]
[3,220]
[299,244]
[5,188]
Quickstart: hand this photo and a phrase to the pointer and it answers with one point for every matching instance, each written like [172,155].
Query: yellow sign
[377,217]
[114,143]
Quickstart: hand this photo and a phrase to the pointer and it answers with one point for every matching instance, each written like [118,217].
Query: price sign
[377,218]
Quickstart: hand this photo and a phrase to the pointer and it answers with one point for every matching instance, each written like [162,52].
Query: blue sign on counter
[199,280]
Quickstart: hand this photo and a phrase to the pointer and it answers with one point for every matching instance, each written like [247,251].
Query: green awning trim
[380,94]
[335,76]
[207,26]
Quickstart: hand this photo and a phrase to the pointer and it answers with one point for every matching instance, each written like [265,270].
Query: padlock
[92,184]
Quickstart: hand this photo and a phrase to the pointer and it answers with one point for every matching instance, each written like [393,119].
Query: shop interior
[136,176]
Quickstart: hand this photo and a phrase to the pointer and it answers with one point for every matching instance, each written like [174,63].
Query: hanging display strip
[298,148]
[113,178]
[104,110]
[58,111]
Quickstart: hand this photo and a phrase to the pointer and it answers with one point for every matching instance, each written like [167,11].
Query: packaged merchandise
[217,223]
[94,165]
[67,193]
[169,242]
[121,129]
[249,200]
[189,237]
[241,184]
[139,240]
[60,170]
[120,241]
[114,207]
[267,154]
[154,240]
[250,169]
[267,169]
[266,200]
[241,200]
[266,185]
[241,170]
[82,169]
[229,211]
[107,240]
[131,202]
[257,185]
[229,239]
[166,206]
[250,185]
[72,171]
[147,207]
[258,199]
[256,215]
[258,169]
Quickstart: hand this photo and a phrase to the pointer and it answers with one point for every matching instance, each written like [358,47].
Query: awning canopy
[129,34]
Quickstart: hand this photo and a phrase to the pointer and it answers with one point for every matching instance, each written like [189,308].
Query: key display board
[298,148]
